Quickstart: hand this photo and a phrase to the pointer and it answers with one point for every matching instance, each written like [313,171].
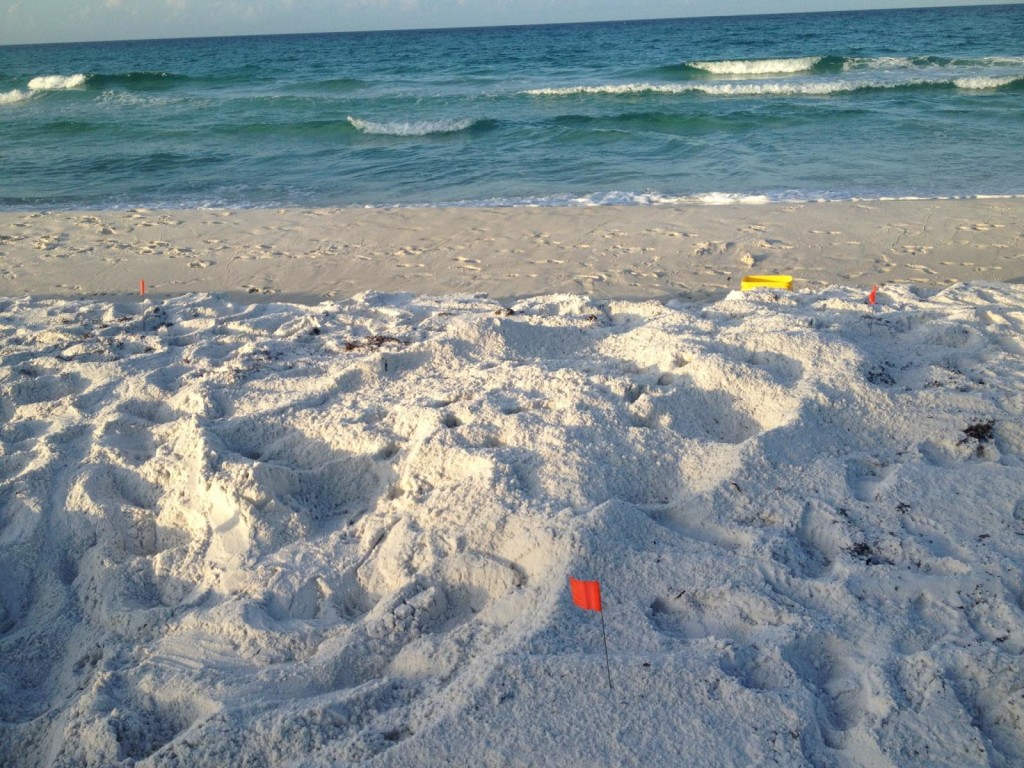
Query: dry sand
[660,252]
[277,535]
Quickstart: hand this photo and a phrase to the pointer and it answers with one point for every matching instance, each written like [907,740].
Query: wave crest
[778,88]
[618,89]
[811,88]
[411,127]
[758,66]
[929,62]
[720,89]
[12,97]
[984,83]
[56,82]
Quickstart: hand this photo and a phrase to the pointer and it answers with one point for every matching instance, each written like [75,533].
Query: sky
[47,21]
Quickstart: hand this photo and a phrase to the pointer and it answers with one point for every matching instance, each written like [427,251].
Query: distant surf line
[807,88]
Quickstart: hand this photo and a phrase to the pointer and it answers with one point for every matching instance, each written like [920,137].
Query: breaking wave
[927,66]
[776,88]
[719,89]
[929,62]
[985,83]
[56,82]
[44,83]
[12,97]
[826,64]
[758,66]
[411,127]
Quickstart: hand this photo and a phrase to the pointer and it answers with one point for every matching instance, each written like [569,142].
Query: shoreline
[687,251]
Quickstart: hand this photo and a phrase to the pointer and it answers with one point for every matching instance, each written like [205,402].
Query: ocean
[864,105]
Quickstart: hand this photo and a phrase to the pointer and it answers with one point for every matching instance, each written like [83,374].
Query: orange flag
[873,295]
[586,594]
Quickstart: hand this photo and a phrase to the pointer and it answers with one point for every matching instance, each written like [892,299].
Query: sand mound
[284,535]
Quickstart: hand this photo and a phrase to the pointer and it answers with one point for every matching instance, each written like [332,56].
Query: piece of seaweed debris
[982,431]
[866,553]
[373,342]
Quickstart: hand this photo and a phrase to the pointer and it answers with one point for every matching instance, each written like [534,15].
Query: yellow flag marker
[767,281]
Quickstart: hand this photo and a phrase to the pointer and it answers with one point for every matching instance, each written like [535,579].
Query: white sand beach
[636,252]
[315,498]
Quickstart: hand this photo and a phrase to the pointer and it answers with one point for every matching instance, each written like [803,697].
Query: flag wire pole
[607,665]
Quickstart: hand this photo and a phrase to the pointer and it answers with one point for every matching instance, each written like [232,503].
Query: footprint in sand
[868,478]
[713,248]
[50,242]
[154,246]
[663,232]
[979,227]
[720,613]
[828,669]
[765,242]
[473,265]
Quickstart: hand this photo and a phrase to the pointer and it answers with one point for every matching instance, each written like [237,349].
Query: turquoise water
[925,103]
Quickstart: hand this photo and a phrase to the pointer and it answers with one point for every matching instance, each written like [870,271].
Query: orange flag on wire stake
[586,594]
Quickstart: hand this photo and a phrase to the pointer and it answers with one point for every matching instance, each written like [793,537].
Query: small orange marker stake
[587,595]
[142,287]
[873,295]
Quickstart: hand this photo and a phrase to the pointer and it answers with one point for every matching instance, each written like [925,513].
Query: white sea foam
[726,198]
[880,62]
[12,97]
[983,83]
[806,87]
[929,62]
[56,82]
[718,89]
[149,100]
[613,90]
[654,198]
[627,198]
[809,88]
[410,128]
[758,66]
